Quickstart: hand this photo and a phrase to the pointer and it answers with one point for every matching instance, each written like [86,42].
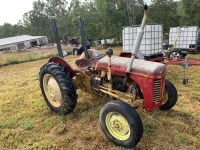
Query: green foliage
[11,60]
[149,128]
[24,56]
[164,12]
[191,12]
[26,124]
[102,18]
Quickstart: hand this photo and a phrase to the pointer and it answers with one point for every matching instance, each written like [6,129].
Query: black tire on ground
[175,54]
[75,51]
[121,123]
[170,96]
[57,88]
[184,55]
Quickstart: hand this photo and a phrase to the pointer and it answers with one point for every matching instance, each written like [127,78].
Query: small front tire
[170,96]
[121,123]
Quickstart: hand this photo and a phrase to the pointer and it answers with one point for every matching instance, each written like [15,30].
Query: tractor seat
[91,53]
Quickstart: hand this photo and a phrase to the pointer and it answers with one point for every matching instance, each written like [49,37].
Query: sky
[11,11]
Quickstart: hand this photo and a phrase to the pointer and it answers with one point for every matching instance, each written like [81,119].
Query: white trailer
[183,40]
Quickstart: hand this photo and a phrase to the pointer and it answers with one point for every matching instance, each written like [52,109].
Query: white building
[22,42]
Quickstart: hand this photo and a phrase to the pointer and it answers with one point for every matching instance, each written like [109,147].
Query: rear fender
[62,62]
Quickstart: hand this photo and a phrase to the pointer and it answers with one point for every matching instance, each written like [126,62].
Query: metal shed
[22,42]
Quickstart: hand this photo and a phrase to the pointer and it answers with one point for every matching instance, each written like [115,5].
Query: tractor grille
[157,91]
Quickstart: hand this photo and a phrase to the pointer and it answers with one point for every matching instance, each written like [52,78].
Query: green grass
[14,57]
[11,60]
[27,123]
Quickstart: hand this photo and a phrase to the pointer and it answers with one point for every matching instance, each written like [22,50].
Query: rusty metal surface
[179,61]
[126,97]
[144,73]
[61,61]
[125,54]
[139,66]
[147,86]
[84,64]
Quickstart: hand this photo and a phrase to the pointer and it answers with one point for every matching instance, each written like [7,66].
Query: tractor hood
[119,66]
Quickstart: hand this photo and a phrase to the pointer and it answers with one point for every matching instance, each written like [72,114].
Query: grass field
[27,123]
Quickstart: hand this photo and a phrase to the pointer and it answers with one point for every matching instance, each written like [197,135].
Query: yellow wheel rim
[118,126]
[52,90]
[165,99]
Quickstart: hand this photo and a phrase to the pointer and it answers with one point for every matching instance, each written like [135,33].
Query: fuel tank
[119,66]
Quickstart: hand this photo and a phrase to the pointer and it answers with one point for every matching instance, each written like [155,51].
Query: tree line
[102,18]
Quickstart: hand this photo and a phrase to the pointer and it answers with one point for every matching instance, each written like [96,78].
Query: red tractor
[131,83]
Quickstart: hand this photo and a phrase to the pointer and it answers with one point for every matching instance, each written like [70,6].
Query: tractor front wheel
[170,96]
[58,88]
[121,123]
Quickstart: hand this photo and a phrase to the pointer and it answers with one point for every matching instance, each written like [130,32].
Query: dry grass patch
[27,123]
[14,57]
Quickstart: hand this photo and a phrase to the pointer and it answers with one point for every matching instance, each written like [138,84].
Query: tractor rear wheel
[121,123]
[170,96]
[57,88]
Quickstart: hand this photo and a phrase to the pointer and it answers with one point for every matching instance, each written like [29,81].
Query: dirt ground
[27,123]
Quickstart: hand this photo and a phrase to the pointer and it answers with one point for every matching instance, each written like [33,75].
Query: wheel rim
[52,90]
[75,52]
[175,55]
[118,126]
[165,99]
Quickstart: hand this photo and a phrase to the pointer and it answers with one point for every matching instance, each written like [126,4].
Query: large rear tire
[170,96]
[58,88]
[121,123]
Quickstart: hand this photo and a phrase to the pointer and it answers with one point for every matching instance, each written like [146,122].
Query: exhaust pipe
[83,37]
[55,30]
[138,40]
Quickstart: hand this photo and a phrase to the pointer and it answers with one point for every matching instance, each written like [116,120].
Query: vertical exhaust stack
[109,53]
[55,30]
[83,37]
[138,40]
